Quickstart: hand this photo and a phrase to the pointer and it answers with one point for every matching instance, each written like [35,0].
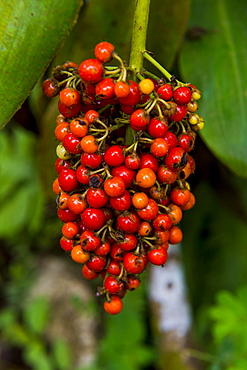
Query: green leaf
[31,32]
[62,354]
[36,315]
[168,21]
[214,59]
[21,195]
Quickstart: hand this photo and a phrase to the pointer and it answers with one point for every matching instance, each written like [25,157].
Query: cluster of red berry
[123,161]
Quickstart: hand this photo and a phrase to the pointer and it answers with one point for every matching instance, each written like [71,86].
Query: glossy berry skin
[71,143]
[166,175]
[88,144]
[181,112]
[65,215]
[162,222]
[165,92]
[114,155]
[61,164]
[145,178]
[175,213]
[128,222]
[103,51]
[190,204]
[79,127]
[186,142]
[96,263]
[176,159]
[93,218]
[103,249]
[176,235]
[133,263]
[50,87]
[91,160]
[69,112]
[114,267]
[96,197]
[140,200]
[76,203]
[157,127]
[121,203]
[180,196]
[148,160]
[91,116]
[79,255]
[121,89]
[82,175]
[66,244]
[146,86]
[134,95]
[114,186]
[113,285]
[114,306]
[150,211]
[88,273]
[145,228]
[139,118]
[132,161]
[182,95]
[125,173]
[68,180]
[157,256]
[91,70]
[61,130]
[89,241]
[129,242]
[105,89]
[70,229]
[171,139]
[69,96]
[159,147]
[132,283]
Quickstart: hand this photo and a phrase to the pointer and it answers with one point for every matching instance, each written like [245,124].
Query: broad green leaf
[214,58]
[31,32]
[167,24]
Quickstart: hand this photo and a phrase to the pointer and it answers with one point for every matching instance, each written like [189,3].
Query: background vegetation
[202,42]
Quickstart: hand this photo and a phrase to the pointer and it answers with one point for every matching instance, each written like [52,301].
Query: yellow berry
[146,86]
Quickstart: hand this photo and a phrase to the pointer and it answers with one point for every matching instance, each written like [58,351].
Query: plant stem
[156,64]
[139,34]
[138,46]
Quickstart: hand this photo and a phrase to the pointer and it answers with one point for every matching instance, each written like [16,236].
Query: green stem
[156,64]
[138,46]
[139,34]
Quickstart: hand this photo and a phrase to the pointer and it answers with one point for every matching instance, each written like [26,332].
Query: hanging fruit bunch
[124,142]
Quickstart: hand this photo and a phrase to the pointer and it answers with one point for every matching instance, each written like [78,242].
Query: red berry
[68,180]
[128,222]
[157,256]
[121,203]
[113,285]
[121,89]
[181,112]
[50,87]
[96,198]
[114,155]
[125,173]
[157,127]
[134,95]
[71,143]
[89,241]
[150,211]
[114,305]
[182,95]
[133,264]
[69,96]
[103,51]
[114,186]
[139,118]
[162,222]
[105,89]
[165,91]
[176,158]
[91,70]
[93,218]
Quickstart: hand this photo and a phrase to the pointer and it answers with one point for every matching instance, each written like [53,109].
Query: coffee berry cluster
[124,142]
